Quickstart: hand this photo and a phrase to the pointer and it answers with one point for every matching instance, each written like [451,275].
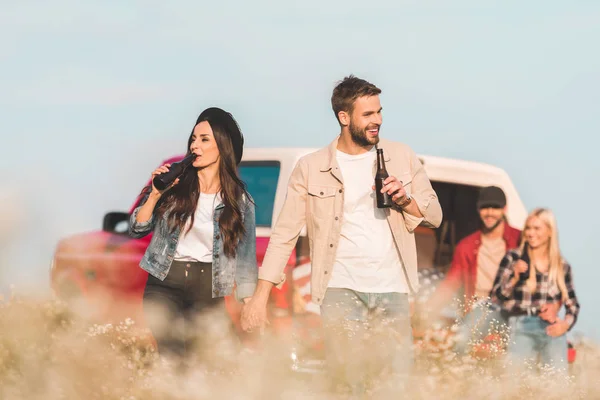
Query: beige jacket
[315,198]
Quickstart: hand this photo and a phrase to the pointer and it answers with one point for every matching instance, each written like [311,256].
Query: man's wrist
[262,292]
[407,200]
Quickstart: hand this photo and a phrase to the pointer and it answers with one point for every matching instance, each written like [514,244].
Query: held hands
[254,314]
[549,312]
[558,328]
[395,189]
[161,170]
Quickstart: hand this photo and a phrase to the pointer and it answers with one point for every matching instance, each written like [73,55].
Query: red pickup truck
[99,270]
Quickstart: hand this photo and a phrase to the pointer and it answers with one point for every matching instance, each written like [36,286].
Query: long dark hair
[180,202]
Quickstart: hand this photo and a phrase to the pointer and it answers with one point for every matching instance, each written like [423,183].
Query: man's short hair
[348,90]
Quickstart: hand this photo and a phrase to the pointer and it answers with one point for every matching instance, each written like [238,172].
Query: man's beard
[359,136]
[485,229]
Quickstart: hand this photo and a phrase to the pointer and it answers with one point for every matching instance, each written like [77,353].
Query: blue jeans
[530,342]
[366,333]
[483,319]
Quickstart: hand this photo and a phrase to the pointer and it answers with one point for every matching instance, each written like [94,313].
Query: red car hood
[103,257]
[109,256]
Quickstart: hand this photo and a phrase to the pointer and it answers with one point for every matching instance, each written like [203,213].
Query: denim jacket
[241,270]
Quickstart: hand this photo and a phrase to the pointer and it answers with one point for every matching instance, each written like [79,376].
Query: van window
[261,178]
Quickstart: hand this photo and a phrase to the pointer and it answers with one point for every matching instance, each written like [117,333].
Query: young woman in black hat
[204,241]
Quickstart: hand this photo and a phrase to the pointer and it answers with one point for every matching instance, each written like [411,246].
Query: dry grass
[46,352]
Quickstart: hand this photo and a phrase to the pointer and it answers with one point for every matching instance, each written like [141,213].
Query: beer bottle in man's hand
[384,200]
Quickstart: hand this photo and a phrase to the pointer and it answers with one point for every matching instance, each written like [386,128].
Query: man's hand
[549,312]
[254,314]
[395,189]
[559,328]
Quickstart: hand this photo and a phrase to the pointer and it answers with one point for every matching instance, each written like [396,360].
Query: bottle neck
[380,161]
[188,160]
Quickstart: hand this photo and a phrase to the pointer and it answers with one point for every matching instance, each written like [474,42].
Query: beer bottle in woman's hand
[384,200]
[163,180]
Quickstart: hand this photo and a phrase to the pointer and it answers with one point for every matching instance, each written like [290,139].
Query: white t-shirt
[366,260]
[197,244]
[489,257]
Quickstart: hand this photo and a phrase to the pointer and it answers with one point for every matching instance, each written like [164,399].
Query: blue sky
[95,94]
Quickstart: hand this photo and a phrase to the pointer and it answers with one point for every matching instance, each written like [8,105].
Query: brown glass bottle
[384,200]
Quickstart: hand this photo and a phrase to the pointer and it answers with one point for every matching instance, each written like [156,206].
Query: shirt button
[331,245]
[336,218]
[326,272]
[340,190]
[218,237]
[322,193]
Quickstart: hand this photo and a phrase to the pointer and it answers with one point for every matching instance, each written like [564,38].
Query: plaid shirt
[516,298]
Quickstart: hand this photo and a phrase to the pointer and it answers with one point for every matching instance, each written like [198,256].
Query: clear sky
[93,95]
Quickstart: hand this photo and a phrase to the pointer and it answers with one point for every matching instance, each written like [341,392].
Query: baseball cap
[491,196]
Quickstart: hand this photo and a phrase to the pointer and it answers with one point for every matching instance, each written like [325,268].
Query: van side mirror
[116,222]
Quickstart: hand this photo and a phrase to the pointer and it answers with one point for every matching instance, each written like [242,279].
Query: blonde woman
[530,279]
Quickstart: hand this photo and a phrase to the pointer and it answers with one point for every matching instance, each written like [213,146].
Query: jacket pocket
[321,192]
[321,207]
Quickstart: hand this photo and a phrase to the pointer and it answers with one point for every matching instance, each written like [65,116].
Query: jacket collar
[507,235]
[220,204]
[330,160]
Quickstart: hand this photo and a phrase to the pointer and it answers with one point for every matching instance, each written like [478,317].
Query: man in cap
[474,267]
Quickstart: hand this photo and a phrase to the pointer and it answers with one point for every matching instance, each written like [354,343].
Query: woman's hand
[520,267]
[549,312]
[147,209]
[254,315]
[161,170]
[559,328]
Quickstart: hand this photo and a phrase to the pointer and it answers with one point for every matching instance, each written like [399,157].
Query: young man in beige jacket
[364,259]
